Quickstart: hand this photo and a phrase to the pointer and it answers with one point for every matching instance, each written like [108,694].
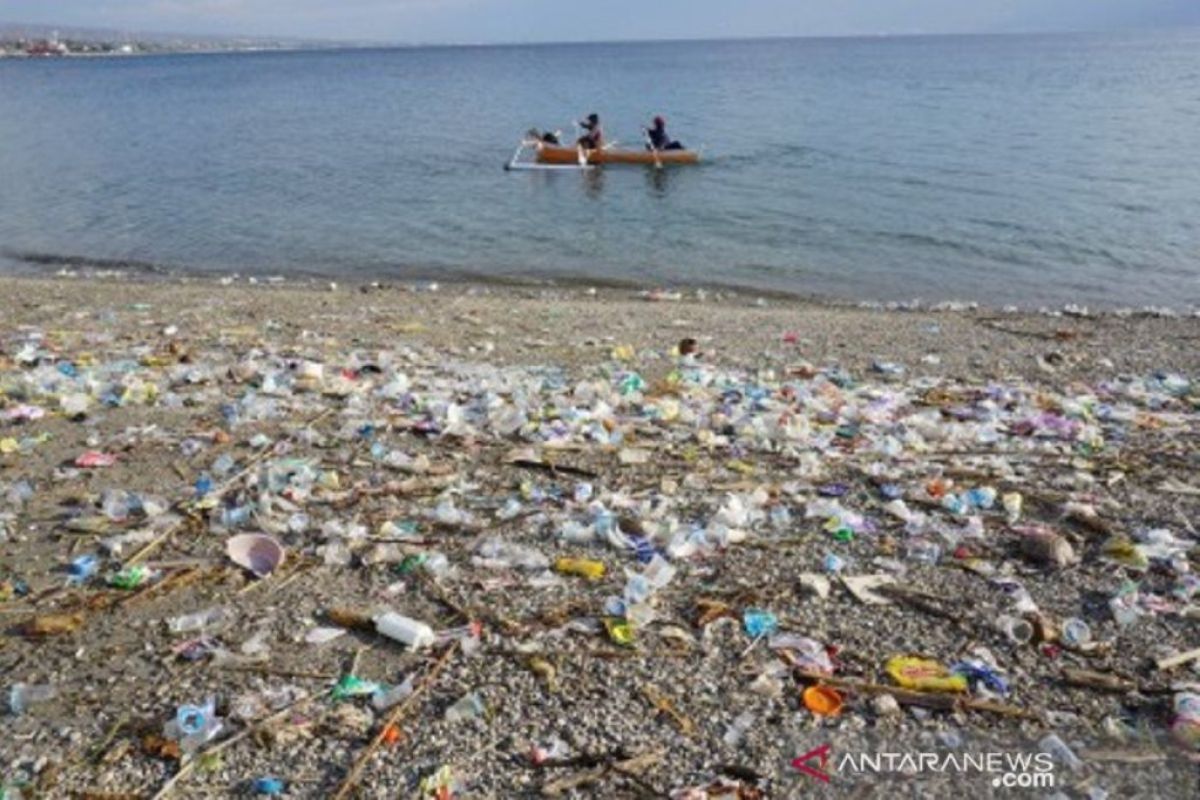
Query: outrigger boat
[555,156]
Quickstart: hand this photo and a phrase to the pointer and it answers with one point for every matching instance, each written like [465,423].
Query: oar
[653,149]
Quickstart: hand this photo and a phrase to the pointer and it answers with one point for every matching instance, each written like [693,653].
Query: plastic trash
[194,726]
[824,701]
[197,621]
[22,696]
[268,786]
[924,674]
[384,699]
[469,706]
[353,686]
[92,459]
[1060,752]
[131,577]
[1017,630]
[736,731]
[1185,726]
[583,567]
[82,568]
[1075,632]
[759,623]
[414,633]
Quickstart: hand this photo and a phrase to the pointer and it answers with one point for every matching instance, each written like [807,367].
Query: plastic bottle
[414,633]
[659,572]
[23,695]
[1060,752]
[469,706]
[637,590]
[196,621]
[386,698]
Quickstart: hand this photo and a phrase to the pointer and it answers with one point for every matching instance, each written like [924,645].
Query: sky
[460,21]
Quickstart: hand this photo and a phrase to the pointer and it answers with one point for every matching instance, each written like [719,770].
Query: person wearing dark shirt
[657,138]
[593,137]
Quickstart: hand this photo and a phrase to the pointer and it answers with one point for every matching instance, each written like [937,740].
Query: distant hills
[22,39]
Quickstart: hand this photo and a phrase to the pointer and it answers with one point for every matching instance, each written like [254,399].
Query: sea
[1027,170]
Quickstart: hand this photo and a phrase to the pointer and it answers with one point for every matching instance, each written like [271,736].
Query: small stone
[885,705]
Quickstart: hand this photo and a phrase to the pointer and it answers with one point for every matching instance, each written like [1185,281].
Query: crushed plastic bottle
[197,621]
[384,699]
[469,706]
[22,696]
[194,726]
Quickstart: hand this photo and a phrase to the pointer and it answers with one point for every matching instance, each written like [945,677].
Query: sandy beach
[736,463]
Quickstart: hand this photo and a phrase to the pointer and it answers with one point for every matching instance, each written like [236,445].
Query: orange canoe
[548,154]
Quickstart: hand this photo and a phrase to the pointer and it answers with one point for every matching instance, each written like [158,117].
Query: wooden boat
[550,154]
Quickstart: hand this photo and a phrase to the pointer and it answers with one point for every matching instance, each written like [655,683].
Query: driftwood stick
[1098,680]
[1179,659]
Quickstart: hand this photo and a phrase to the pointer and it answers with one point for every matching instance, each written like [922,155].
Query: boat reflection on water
[658,180]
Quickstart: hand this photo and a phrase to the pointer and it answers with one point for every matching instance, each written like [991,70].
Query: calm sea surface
[1027,170]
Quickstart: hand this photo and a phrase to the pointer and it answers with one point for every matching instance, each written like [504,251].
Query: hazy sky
[542,20]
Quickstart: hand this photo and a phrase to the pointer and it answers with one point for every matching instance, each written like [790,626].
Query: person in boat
[545,137]
[593,137]
[657,138]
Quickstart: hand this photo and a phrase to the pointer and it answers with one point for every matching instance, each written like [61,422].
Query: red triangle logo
[821,755]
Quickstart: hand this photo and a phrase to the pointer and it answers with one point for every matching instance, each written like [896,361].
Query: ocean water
[1021,169]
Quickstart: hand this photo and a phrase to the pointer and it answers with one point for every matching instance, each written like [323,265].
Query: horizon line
[351,43]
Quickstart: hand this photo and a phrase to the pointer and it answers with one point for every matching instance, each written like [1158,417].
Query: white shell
[257,552]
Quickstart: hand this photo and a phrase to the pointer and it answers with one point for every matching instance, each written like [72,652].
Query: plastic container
[1017,630]
[414,633]
[1075,632]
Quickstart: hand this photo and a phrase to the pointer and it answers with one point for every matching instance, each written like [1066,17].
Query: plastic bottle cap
[823,700]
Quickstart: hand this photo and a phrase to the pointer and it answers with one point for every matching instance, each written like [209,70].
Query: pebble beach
[666,543]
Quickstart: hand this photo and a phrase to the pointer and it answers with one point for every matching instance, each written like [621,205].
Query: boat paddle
[653,149]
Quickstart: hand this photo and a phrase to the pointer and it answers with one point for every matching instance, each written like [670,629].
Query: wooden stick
[359,763]
[266,669]
[1170,662]
[187,768]
[629,766]
[1098,680]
